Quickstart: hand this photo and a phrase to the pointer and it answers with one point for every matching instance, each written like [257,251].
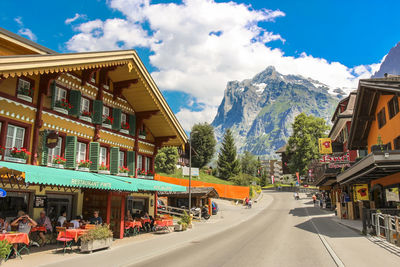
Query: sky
[193,48]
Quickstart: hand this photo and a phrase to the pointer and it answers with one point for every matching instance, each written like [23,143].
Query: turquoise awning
[70,178]
[153,185]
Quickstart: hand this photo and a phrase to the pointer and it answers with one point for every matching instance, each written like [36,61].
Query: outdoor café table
[38,229]
[133,224]
[16,238]
[72,233]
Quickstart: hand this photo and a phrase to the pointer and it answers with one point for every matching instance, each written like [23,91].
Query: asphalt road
[287,233]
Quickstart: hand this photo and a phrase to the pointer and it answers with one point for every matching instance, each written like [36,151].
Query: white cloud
[199,45]
[24,31]
[188,117]
[74,18]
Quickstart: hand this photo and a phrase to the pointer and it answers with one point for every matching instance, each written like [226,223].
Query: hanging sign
[392,194]
[3,193]
[325,145]
[331,159]
[40,201]
[51,139]
[361,191]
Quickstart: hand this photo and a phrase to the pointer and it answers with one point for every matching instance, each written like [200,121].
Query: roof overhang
[144,96]
[373,166]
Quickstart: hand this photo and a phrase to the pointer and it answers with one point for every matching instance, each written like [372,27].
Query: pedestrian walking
[246,201]
[314,198]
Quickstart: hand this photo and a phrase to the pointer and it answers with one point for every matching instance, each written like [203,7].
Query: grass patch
[204,177]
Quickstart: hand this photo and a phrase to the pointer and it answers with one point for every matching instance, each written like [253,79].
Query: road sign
[3,193]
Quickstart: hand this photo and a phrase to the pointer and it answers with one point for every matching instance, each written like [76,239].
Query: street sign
[3,193]
[185,171]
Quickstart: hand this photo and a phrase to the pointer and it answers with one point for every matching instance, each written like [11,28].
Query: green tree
[303,144]
[203,143]
[248,163]
[228,164]
[166,160]
[244,179]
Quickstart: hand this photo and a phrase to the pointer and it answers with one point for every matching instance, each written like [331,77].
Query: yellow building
[82,116]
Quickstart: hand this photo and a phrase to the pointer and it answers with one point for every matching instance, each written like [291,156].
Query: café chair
[67,240]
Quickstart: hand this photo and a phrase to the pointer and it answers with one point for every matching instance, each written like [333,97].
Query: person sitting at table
[44,221]
[97,220]
[24,224]
[62,219]
[77,222]
[4,225]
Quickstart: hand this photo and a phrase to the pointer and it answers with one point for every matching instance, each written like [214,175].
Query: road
[281,232]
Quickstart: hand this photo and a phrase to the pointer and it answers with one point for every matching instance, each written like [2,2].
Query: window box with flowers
[145,174]
[123,171]
[107,122]
[62,106]
[86,116]
[124,128]
[59,162]
[18,155]
[84,165]
[24,91]
[104,169]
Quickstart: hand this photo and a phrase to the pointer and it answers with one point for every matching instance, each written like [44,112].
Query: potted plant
[124,128]
[185,222]
[86,116]
[18,155]
[123,171]
[62,106]
[97,238]
[104,169]
[25,93]
[107,121]
[84,165]
[59,162]
[5,249]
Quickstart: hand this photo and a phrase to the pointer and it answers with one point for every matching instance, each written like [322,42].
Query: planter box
[142,136]
[178,228]
[103,172]
[18,160]
[61,110]
[24,97]
[105,125]
[125,174]
[58,166]
[83,169]
[124,131]
[89,246]
[85,118]
[106,87]
[146,177]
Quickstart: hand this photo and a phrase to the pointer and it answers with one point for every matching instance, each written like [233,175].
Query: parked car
[214,208]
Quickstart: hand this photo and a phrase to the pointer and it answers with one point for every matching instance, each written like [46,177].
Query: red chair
[63,238]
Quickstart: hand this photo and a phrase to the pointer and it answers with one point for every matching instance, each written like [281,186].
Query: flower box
[58,166]
[85,118]
[24,97]
[89,246]
[12,159]
[125,174]
[105,125]
[61,110]
[103,172]
[83,169]
[124,131]
[106,87]
[148,177]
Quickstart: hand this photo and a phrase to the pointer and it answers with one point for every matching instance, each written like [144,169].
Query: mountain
[260,110]
[391,63]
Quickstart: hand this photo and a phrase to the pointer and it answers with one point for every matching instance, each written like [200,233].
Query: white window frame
[147,164]
[60,93]
[85,104]
[52,152]
[103,155]
[17,142]
[140,162]
[81,149]
[123,118]
[106,111]
[122,158]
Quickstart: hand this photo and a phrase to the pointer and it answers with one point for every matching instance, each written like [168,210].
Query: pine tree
[203,142]
[228,164]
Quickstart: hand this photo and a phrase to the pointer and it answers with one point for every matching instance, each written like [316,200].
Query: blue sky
[192,67]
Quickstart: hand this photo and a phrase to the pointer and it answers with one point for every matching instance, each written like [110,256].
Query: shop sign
[331,159]
[392,194]
[93,184]
[51,139]
[361,192]
[3,193]
[40,201]
[325,145]
[338,165]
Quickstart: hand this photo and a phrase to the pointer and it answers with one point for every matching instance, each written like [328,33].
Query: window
[85,105]
[80,151]
[106,111]
[121,158]
[393,107]
[60,94]
[14,202]
[140,162]
[15,137]
[103,155]
[24,90]
[123,118]
[55,151]
[381,118]
[147,163]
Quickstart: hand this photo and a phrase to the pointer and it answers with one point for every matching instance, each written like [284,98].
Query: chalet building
[284,159]
[79,132]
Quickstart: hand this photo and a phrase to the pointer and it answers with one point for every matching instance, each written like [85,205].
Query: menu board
[40,201]
[392,194]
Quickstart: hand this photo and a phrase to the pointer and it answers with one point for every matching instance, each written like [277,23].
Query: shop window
[103,155]
[80,151]
[15,138]
[12,203]
[396,143]
[381,118]
[121,158]
[53,152]
[85,105]
[393,107]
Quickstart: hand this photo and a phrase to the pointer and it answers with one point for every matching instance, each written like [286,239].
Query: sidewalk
[143,246]
[353,224]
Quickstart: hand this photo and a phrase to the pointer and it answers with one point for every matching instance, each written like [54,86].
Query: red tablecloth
[72,233]
[38,229]
[133,224]
[164,223]
[15,238]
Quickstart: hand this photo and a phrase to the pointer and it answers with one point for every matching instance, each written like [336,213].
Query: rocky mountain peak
[391,63]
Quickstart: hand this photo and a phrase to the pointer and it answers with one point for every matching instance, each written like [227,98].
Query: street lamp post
[190,171]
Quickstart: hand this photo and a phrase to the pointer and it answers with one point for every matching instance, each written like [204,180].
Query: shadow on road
[326,227]
[302,212]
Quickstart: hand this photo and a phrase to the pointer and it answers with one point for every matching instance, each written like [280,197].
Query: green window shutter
[53,94]
[114,160]
[75,101]
[44,150]
[97,112]
[130,159]
[70,151]
[117,119]
[94,154]
[132,124]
